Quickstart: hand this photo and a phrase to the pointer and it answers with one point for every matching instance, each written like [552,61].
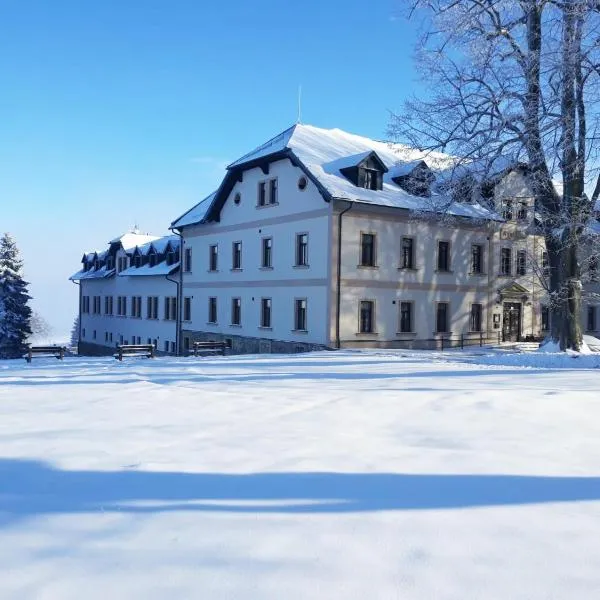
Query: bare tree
[517,81]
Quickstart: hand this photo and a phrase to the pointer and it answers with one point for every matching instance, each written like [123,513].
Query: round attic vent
[237,198]
[302,183]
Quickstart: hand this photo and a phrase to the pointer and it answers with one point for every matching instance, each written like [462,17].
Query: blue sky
[118,112]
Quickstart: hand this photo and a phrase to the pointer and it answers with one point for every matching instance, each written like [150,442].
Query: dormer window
[367,173]
[415,178]
[507,212]
[137,261]
[152,260]
[110,263]
[171,257]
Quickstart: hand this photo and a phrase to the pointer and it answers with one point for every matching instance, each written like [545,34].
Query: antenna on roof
[136,229]
[299,120]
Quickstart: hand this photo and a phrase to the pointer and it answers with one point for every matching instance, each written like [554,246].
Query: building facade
[323,239]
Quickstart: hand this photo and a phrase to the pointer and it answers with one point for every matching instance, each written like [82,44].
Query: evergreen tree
[75,332]
[15,314]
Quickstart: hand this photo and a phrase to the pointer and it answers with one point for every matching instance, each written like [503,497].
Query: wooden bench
[146,350]
[210,347]
[57,351]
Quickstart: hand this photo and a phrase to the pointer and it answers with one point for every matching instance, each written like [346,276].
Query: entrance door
[511,322]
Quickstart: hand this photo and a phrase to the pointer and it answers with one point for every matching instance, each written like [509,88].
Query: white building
[320,238]
[128,294]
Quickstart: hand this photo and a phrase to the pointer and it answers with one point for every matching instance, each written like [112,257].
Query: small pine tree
[15,314]
[75,332]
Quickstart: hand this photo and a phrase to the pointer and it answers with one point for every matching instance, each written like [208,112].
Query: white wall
[296,212]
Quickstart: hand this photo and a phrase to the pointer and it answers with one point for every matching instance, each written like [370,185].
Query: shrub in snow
[15,314]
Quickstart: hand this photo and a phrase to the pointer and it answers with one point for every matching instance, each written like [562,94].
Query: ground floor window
[212,310]
[591,318]
[476,311]
[300,314]
[545,313]
[265,312]
[441,317]
[366,316]
[406,317]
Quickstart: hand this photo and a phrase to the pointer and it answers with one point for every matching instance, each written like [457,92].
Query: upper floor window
[593,268]
[213,257]
[236,256]
[302,249]
[85,304]
[545,264]
[366,316]
[152,307]
[505,261]
[521,262]
[108,305]
[367,249]
[408,253]
[110,263]
[267,192]
[476,258]
[187,260]
[170,308]
[267,253]
[137,261]
[370,179]
[443,256]
[187,308]
[507,211]
[136,306]
[367,172]
[152,260]
[121,263]
[171,257]
[522,211]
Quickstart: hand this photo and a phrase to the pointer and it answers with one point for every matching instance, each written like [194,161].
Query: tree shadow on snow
[33,489]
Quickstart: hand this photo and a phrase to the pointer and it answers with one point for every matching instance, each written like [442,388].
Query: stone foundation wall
[249,345]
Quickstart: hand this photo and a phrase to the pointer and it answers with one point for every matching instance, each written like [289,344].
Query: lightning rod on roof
[299,120]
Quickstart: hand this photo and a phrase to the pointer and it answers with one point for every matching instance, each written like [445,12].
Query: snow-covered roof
[161,268]
[195,214]
[131,239]
[324,152]
[100,273]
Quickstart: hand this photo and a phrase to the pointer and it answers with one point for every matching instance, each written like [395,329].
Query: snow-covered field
[350,475]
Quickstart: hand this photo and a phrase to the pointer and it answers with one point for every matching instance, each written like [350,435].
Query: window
[122,306]
[507,212]
[522,211]
[265,312]
[96,305]
[212,310]
[408,253]
[152,307]
[302,249]
[152,260]
[106,336]
[521,262]
[591,318]
[170,308]
[300,314]
[171,257]
[476,312]
[406,317]
[166,346]
[121,263]
[545,313]
[366,313]
[505,261]
[545,264]
[187,260]
[187,308]
[173,348]
[262,193]
[186,344]
[441,317]
[110,337]
[236,256]
[367,249]
[94,334]
[477,259]
[137,261]
[370,179]
[443,256]
[83,332]
[120,339]
[593,268]
[136,306]
[269,186]
[267,253]
[110,263]
[213,257]
[85,304]
[236,311]
[155,343]
[108,305]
